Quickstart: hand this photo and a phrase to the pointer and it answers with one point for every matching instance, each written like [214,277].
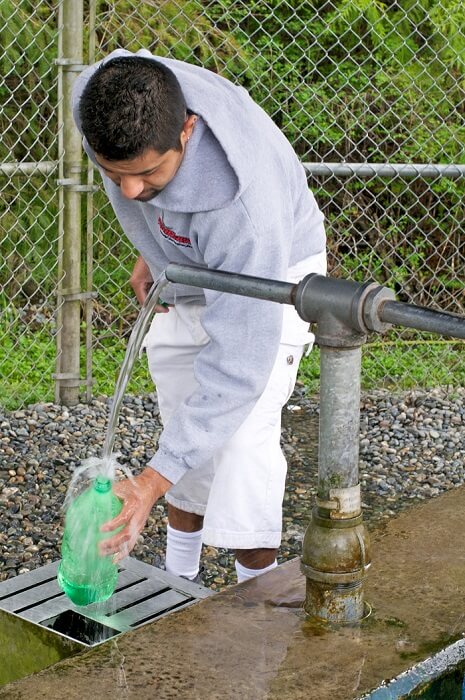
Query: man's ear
[188,128]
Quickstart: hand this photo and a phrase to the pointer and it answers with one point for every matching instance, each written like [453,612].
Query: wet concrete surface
[253,642]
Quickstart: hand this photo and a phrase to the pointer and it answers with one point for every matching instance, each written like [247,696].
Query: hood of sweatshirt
[219,161]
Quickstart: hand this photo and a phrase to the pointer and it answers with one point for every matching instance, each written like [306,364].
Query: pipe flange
[334,524]
[333,578]
[373,305]
[358,303]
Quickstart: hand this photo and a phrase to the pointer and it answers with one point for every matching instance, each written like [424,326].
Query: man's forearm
[141,279]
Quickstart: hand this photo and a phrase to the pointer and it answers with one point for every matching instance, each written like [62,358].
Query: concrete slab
[252,641]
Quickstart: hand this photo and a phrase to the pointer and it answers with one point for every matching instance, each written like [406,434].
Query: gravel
[412,447]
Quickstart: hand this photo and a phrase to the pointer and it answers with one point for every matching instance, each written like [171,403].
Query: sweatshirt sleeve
[233,368]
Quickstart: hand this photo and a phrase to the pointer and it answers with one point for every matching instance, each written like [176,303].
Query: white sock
[183,552]
[243,573]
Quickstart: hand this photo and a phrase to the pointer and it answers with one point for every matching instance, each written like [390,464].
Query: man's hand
[138,496]
[141,281]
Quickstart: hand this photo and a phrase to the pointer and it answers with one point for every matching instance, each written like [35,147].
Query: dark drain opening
[80,628]
[123,587]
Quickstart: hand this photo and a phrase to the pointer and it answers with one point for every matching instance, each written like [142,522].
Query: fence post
[68,375]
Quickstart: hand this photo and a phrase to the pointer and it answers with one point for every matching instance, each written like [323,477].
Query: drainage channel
[39,625]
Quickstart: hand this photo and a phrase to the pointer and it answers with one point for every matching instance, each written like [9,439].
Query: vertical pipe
[59,310]
[339,419]
[335,548]
[90,226]
[69,375]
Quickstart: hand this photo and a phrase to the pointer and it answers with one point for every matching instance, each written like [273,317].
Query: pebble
[412,448]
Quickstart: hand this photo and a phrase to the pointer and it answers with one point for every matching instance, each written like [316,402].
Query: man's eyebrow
[143,172]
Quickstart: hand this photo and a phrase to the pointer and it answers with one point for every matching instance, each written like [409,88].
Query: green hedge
[349,79]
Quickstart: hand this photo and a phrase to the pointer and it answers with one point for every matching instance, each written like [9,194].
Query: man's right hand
[138,494]
[141,281]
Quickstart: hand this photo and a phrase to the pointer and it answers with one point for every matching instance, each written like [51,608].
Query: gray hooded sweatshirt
[239,202]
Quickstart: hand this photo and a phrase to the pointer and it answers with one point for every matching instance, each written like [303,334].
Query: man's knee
[184,521]
[256,558]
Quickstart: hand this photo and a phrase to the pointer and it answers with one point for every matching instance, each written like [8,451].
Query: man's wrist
[154,481]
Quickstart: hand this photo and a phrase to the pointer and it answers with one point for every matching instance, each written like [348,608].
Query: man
[197,173]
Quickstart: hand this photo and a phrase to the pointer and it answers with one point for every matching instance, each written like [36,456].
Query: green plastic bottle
[84,574]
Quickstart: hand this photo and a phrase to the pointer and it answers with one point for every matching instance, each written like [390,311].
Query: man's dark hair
[129,105]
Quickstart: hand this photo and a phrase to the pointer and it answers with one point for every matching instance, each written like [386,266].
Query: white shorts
[240,491]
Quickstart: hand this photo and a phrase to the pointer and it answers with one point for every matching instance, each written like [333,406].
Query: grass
[399,365]
[29,362]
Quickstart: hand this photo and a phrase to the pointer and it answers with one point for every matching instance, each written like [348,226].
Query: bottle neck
[102,484]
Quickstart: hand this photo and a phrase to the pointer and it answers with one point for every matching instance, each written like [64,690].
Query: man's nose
[131,186]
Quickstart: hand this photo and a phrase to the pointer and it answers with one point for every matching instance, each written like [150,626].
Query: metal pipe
[315,294]
[422,319]
[244,285]
[317,169]
[335,552]
[367,307]
[339,423]
[59,285]
[45,167]
[90,224]
[403,170]
[68,376]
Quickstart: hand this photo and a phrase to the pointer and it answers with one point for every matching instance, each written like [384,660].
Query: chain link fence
[30,203]
[371,96]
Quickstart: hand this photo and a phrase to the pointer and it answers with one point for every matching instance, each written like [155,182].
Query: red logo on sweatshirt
[172,236]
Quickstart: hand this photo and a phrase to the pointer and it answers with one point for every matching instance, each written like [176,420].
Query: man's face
[144,177]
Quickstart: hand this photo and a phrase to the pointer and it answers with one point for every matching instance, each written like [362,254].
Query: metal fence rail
[371,97]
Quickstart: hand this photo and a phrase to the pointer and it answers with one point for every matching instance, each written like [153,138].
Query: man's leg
[253,562]
[244,510]
[256,558]
[182,520]
[184,542]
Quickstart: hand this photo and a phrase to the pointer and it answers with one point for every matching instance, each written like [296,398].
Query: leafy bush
[346,80]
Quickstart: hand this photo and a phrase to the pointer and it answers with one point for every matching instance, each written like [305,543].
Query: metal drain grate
[144,593]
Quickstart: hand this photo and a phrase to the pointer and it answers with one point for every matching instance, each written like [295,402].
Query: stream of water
[132,352]
[106,464]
